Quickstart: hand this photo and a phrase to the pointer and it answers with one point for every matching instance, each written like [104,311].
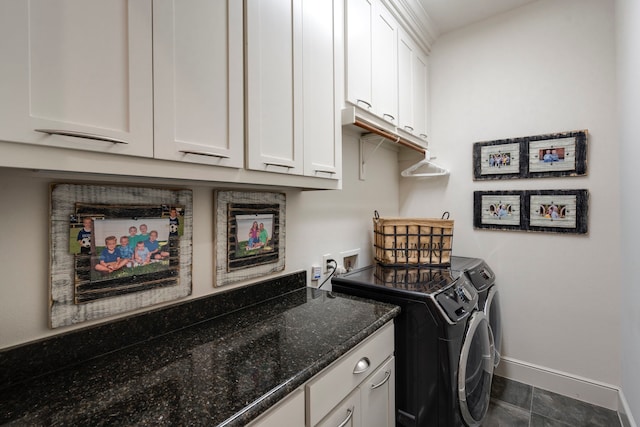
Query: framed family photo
[540,156]
[554,211]
[249,236]
[559,211]
[115,249]
[497,160]
[500,210]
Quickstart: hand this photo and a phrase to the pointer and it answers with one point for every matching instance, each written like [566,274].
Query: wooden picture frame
[91,275]
[501,210]
[559,211]
[541,156]
[553,211]
[242,251]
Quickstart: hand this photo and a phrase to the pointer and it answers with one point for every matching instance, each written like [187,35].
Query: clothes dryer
[443,345]
[484,280]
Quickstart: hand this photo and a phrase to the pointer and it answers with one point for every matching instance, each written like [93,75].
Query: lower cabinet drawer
[339,379]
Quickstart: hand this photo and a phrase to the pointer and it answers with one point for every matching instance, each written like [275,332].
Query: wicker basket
[413,241]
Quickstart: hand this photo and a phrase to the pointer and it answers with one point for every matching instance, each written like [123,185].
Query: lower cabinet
[356,390]
[288,412]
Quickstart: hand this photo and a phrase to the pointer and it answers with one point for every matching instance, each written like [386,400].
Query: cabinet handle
[393,119]
[362,366]
[358,101]
[82,135]
[278,164]
[387,375]
[409,128]
[324,171]
[346,420]
[423,135]
[204,153]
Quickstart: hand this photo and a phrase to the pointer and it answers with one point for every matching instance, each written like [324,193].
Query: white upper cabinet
[358,28]
[293,123]
[384,72]
[372,76]
[412,84]
[77,74]
[198,81]
[274,95]
[322,132]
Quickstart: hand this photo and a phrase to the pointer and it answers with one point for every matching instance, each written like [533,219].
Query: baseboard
[584,389]
[626,417]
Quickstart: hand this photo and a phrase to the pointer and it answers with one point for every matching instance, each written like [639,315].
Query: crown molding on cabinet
[415,20]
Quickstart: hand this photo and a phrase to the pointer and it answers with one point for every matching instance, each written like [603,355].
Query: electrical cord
[333,271]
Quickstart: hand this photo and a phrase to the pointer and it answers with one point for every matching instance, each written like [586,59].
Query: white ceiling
[449,15]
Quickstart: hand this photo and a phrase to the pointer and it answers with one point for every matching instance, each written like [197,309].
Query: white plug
[316,272]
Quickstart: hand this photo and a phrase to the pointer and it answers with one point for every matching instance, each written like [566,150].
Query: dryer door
[475,370]
[492,311]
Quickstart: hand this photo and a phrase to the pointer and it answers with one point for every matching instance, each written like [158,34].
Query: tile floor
[514,404]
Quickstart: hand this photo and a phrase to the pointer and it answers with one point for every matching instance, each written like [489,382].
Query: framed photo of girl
[249,235]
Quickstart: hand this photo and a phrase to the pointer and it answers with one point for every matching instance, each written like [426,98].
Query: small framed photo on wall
[560,211]
[500,210]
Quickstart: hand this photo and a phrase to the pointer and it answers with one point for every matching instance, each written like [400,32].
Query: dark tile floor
[514,404]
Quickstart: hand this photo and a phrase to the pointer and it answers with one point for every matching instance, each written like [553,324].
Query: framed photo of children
[249,236]
[117,249]
[555,211]
[559,211]
[539,156]
[498,210]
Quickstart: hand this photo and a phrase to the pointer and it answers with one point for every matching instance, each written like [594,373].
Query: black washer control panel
[459,300]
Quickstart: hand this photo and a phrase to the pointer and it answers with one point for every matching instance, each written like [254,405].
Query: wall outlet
[325,265]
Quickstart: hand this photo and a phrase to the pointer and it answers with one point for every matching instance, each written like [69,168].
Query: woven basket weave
[413,241]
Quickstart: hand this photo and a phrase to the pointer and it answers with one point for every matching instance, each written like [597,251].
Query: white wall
[317,222]
[546,67]
[627,18]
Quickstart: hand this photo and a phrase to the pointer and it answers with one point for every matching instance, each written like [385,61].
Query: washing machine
[443,345]
[484,280]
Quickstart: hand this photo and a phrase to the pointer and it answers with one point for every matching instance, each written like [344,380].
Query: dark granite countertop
[223,371]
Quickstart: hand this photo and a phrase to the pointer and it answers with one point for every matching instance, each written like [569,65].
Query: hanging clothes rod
[387,135]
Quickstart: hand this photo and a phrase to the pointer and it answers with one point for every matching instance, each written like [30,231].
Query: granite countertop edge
[265,402]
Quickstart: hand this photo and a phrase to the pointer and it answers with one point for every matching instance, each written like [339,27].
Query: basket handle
[376,215]
[445,213]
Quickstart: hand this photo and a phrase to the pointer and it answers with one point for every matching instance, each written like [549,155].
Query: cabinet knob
[362,365]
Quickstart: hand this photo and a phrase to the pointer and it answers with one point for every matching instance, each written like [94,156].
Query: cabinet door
[322,130]
[346,414]
[412,87]
[77,67]
[359,17]
[384,72]
[289,412]
[377,395]
[274,82]
[198,81]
